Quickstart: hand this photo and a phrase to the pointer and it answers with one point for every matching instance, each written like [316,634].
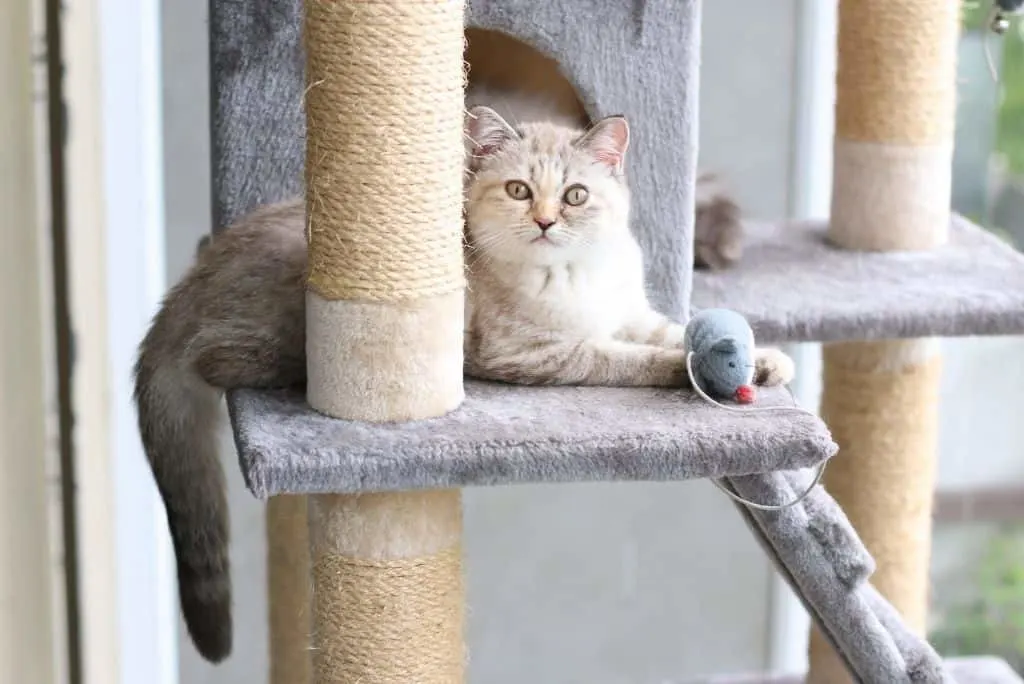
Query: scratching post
[384,159]
[895,109]
[288,583]
[388,587]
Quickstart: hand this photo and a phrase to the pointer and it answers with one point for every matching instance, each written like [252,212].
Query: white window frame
[810,198]
[116,277]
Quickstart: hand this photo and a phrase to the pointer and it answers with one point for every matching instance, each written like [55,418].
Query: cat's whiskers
[485,247]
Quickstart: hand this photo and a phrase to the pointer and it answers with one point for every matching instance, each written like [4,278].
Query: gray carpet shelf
[975,670]
[505,434]
[795,287]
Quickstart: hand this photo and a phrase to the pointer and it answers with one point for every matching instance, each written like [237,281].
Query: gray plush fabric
[981,670]
[639,60]
[505,434]
[923,663]
[818,553]
[793,286]
[841,611]
[258,134]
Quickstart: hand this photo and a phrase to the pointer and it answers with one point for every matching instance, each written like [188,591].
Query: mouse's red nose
[745,394]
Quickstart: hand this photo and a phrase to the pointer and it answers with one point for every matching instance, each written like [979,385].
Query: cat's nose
[543,223]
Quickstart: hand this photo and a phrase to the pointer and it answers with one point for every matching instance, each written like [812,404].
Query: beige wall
[31,625]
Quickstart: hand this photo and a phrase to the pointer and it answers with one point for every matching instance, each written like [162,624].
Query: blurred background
[595,583]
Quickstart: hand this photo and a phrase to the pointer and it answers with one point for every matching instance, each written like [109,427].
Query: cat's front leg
[607,362]
[651,328]
[772,367]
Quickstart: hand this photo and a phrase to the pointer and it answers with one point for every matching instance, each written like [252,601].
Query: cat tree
[389,432]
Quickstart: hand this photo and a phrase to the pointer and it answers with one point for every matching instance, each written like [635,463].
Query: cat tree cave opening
[498,60]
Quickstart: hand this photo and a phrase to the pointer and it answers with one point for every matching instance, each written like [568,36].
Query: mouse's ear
[725,345]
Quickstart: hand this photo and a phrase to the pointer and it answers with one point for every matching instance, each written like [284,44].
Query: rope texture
[896,71]
[391,621]
[885,421]
[384,151]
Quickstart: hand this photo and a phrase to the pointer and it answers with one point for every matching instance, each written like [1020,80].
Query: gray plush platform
[794,287]
[980,670]
[507,434]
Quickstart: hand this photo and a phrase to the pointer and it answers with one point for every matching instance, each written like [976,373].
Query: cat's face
[544,194]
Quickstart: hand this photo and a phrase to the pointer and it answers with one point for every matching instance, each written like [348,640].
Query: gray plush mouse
[722,344]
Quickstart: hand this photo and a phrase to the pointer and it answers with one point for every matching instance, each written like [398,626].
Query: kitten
[556,277]
[237,319]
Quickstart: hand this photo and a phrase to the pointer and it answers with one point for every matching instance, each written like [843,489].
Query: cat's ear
[607,140]
[725,345]
[486,133]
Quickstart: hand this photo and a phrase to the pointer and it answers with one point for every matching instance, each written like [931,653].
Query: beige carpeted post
[895,110]
[384,162]
[288,583]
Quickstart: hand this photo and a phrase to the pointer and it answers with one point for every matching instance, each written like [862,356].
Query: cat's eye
[576,195]
[517,190]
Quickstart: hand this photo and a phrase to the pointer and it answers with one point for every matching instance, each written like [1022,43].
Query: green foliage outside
[991,622]
[1010,140]
[1010,131]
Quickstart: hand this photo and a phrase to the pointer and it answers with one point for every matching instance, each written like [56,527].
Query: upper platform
[793,286]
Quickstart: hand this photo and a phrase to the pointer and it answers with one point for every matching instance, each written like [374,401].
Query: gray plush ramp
[506,434]
[819,554]
[795,287]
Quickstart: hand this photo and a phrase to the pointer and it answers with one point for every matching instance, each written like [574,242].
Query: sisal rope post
[895,112]
[384,322]
[288,587]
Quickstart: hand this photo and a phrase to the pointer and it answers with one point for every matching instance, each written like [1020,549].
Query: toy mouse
[722,346]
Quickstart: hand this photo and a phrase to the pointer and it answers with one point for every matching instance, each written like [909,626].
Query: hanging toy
[999,23]
[721,355]
[1002,10]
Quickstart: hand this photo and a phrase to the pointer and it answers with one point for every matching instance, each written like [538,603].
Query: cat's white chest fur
[580,297]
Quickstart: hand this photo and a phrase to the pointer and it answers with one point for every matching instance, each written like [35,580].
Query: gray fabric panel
[506,434]
[793,286]
[258,126]
[640,59]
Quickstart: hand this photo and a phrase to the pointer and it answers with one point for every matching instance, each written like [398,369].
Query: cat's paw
[773,367]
